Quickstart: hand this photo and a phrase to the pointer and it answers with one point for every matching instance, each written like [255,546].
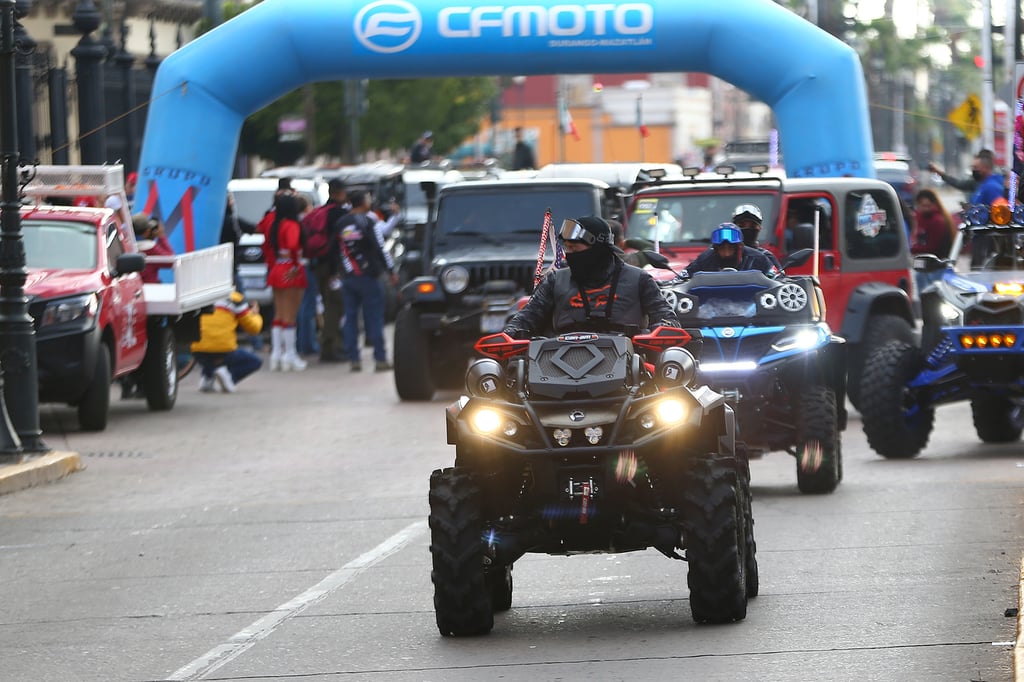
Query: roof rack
[74,181]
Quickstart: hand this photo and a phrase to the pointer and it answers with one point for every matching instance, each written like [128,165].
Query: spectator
[282,250]
[990,187]
[150,238]
[596,292]
[966,185]
[306,332]
[422,150]
[934,232]
[331,348]
[363,261]
[727,250]
[231,232]
[223,363]
[522,155]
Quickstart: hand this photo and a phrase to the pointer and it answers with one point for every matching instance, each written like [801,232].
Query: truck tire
[94,406]
[879,330]
[819,451]
[895,425]
[499,582]
[462,597]
[413,376]
[997,419]
[714,531]
[160,369]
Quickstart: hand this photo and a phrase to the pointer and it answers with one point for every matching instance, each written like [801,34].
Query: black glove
[516,333]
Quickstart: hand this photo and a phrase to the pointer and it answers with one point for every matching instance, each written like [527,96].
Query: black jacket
[753,259]
[557,305]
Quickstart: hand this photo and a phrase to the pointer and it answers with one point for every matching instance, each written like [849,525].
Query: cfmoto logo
[388,26]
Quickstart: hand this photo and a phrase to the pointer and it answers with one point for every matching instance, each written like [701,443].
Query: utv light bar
[988,340]
[741,366]
[1008,288]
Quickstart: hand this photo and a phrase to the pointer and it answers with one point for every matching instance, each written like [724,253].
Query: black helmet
[589,229]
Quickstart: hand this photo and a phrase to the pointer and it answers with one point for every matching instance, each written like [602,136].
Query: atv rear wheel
[413,377]
[997,419]
[819,451]
[714,531]
[878,331]
[499,582]
[462,596]
[896,426]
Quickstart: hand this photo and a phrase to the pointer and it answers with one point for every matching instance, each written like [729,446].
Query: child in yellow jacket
[223,363]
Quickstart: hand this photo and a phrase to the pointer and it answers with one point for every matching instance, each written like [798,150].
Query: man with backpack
[320,228]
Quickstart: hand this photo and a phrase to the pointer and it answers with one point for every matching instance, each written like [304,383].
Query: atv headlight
[805,339]
[69,309]
[486,421]
[455,279]
[670,411]
[949,312]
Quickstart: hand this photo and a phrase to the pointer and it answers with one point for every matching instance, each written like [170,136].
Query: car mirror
[928,262]
[130,262]
[797,258]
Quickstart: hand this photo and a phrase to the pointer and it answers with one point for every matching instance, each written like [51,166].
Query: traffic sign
[967,117]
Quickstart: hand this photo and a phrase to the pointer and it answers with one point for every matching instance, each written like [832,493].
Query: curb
[1018,645]
[38,470]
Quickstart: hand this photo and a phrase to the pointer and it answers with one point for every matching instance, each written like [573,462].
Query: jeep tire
[896,426]
[94,405]
[714,531]
[997,419]
[819,450]
[878,330]
[160,368]
[462,596]
[413,376]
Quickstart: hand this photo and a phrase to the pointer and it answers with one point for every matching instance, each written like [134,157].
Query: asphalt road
[279,533]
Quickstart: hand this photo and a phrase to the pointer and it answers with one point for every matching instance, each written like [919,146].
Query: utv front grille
[995,313]
[748,347]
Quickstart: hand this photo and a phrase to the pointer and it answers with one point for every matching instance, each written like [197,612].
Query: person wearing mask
[363,260]
[934,232]
[282,249]
[990,187]
[596,292]
[727,250]
[747,217]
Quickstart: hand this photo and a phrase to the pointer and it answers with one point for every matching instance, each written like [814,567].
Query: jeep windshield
[59,245]
[690,218]
[512,215]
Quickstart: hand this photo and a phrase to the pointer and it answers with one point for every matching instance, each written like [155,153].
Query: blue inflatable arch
[204,91]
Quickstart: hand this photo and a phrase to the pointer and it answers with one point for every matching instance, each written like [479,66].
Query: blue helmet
[727,233]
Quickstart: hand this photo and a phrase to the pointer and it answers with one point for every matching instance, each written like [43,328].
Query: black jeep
[480,257]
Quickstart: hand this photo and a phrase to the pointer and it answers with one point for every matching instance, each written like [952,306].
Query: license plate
[491,323]
[253,282]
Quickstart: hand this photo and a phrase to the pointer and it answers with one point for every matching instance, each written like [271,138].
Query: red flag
[566,124]
[644,132]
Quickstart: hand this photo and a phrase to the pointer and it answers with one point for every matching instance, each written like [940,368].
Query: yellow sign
[967,117]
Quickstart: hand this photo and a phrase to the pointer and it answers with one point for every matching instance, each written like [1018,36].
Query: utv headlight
[805,339]
[486,421]
[670,411]
[949,312]
[455,279]
[69,309]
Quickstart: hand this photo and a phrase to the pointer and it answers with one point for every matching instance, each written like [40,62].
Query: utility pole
[987,97]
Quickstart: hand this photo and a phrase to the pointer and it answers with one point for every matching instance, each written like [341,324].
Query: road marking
[246,638]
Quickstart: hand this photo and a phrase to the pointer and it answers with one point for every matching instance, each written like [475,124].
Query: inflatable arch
[204,91]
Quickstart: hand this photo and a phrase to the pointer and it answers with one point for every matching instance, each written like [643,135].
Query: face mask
[977,175]
[589,265]
[750,235]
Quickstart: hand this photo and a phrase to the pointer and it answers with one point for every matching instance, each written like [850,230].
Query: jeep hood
[482,252]
[52,283]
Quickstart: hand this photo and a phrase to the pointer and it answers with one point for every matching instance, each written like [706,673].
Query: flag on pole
[644,132]
[566,124]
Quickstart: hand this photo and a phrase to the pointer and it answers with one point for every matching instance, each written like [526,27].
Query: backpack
[316,241]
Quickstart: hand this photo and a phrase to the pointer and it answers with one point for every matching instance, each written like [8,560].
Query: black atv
[972,346]
[767,348]
[578,444]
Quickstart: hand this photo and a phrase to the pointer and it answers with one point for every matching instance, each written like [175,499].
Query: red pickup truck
[95,320]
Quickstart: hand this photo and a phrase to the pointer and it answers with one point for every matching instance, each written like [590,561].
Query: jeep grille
[520,273]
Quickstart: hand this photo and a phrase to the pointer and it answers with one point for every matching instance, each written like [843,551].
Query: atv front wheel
[997,419]
[896,425]
[750,553]
[819,452]
[462,596]
[714,531]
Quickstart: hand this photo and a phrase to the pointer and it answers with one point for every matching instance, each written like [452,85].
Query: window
[692,217]
[59,245]
[800,215]
[873,225]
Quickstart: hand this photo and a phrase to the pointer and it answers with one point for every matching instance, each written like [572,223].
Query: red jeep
[94,318]
[864,264]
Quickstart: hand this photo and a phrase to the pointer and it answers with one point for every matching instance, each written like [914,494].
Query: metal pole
[26,47]
[17,335]
[124,61]
[987,98]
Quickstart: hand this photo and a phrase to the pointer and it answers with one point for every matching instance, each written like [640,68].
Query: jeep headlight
[69,309]
[455,279]
[805,339]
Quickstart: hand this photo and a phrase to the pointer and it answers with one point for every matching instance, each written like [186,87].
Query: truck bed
[198,279]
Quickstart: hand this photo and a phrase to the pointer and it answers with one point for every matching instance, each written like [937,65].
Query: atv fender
[451,414]
[873,298]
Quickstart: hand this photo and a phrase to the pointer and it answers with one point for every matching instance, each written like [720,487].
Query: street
[280,533]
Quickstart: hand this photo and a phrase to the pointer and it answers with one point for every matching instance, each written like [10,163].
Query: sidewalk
[37,470]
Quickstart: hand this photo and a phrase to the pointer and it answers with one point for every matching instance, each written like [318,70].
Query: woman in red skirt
[282,249]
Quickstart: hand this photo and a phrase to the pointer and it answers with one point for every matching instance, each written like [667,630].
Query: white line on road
[246,638]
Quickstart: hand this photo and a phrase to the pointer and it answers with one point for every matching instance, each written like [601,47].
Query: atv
[582,443]
[768,349]
[972,345]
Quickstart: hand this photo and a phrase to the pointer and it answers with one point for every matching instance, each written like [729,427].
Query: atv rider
[728,251]
[597,292]
[747,217]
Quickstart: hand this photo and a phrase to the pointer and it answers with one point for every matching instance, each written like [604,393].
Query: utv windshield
[510,213]
[59,245]
[690,218]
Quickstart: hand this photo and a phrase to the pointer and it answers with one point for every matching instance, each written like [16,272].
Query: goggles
[726,235]
[572,231]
